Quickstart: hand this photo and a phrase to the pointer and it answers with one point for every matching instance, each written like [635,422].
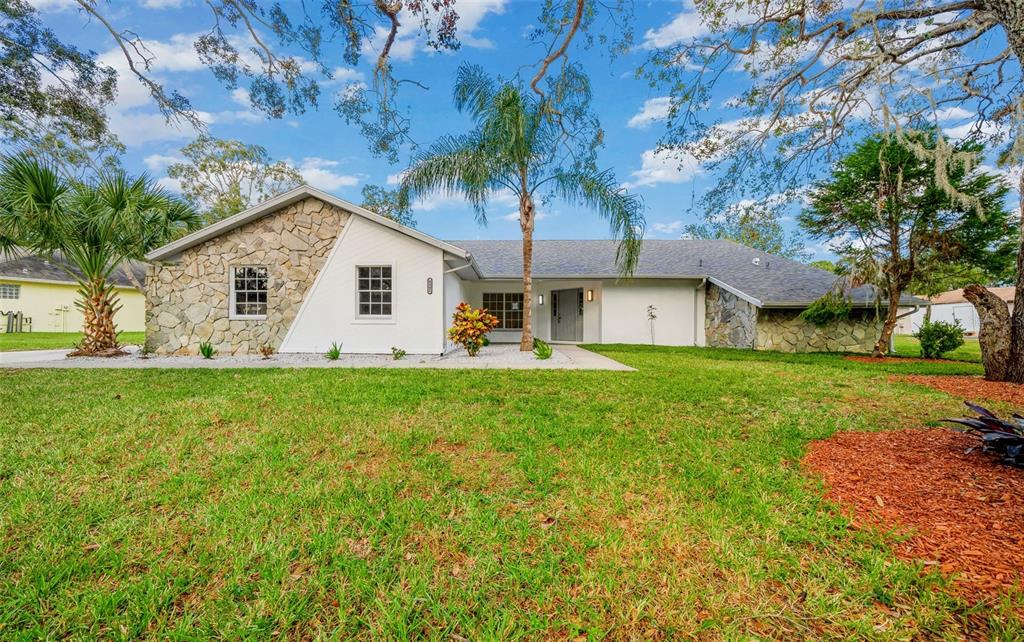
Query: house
[43,291]
[306,269]
[953,307]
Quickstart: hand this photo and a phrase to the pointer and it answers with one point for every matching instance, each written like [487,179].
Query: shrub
[938,337]
[207,350]
[334,352]
[266,350]
[397,353]
[834,306]
[470,326]
[1002,437]
[541,349]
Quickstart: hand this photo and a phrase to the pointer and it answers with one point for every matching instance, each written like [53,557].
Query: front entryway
[567,315]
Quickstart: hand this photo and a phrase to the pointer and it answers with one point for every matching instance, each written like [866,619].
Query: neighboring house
[43,291]
[306,269]
[952,307]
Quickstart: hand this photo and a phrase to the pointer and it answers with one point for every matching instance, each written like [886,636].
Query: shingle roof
[771,281]
[40,268]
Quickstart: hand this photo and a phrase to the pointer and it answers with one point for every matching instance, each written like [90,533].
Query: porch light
[590,296]
[540,299]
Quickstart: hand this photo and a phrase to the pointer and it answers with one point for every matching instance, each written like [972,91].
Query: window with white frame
[249,292]
[508,307]
[10,291]
[374,284]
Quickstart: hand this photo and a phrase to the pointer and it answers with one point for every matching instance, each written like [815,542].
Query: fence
[15,322]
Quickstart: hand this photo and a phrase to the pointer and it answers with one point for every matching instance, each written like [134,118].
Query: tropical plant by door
[534,147]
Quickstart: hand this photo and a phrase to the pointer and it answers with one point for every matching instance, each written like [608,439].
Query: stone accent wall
[729,321]
[784,330]
[187,302]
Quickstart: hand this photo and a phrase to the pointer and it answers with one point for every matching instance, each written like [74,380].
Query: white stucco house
[952,307]
[306,269]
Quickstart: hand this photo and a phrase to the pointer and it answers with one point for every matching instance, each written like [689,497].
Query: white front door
[567,315]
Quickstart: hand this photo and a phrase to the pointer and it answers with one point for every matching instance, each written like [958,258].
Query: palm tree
[520,143]
[95,226]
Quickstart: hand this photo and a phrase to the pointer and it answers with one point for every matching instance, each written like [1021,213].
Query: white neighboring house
[952,307]
[306,269]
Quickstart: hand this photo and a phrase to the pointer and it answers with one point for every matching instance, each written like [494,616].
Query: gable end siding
[187,302]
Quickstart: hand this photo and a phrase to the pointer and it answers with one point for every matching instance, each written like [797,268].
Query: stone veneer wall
[187,302]
[784,330]
[729,321]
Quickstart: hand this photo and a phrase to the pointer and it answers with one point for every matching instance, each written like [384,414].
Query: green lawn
[908,346]
[55,340]
[395,504]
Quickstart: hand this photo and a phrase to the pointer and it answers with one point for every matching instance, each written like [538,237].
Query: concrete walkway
[497,357]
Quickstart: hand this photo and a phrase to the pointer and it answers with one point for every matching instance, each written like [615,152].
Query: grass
[908,346]
[368,504]
[55,340]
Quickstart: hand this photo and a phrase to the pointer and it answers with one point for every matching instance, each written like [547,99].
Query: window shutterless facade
[10,291]
[374,286]
[249,292]
[508,307]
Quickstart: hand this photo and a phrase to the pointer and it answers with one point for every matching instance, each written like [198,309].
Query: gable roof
[31,267]
[763,279]
[283,200]
[957,296]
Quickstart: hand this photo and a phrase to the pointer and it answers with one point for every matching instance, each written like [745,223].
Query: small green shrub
[938,337]
[207,350]
[834,306]
[397,353]
[541,349]
[334,352]
[485,342]
[469,327]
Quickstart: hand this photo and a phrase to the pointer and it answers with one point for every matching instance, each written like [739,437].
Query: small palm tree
[519,143]
[96,227]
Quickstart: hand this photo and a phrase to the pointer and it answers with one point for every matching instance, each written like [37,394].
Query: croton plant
[470,327]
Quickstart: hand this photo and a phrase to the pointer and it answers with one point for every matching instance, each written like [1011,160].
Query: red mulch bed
[966,512]
[972,388]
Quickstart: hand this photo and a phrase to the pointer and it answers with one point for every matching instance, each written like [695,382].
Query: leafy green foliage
[831,307]
[755,225]
[207,350]
[1001,437]
[939,337]
[393,204]
[266,350]
[542,349]
[470,326]
[334,352]
[225,177]
[824,264]
[397,353]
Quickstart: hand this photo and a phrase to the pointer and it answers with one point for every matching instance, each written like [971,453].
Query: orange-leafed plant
[469,327]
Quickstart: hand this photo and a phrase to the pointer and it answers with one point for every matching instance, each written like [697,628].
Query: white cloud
[170,184]
[684,27]
[164,4]
[438,200]
[52,5]
[394,179]
[408,43]
[654,109]
[136,128]
[319,172]
[513,216]
[664,166]
[671,228]
[157,162]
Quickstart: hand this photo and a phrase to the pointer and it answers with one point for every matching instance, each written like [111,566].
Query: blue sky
[333,156]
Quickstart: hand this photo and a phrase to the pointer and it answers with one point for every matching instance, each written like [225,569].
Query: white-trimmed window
[374,286]
[10,291]
[249,292]
[508,307]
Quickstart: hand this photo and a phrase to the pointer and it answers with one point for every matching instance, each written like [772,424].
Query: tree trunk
[526,218]
[99,304]
[1010,14]
[882,346]
[994,334]
[1015,369]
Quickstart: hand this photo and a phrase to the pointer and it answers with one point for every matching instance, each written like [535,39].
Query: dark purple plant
[1002,437]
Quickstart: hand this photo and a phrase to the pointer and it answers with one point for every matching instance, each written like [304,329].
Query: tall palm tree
[520,143]
[96,226]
